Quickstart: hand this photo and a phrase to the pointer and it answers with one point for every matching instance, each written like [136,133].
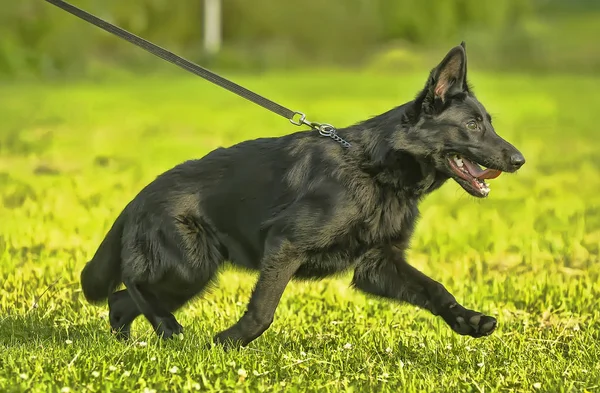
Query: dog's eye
[472,125]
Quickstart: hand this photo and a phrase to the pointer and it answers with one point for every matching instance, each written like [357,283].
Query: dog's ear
[450,76]
[465,83]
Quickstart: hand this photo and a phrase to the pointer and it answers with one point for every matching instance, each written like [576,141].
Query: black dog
[303,206]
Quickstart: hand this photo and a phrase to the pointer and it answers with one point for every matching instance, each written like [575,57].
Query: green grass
[72,155]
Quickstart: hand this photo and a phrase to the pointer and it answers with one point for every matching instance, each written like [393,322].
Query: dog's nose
[517,160]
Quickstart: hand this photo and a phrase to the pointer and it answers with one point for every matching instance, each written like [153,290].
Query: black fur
[300,206]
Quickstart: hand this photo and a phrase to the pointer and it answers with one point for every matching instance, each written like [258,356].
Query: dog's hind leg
[123,311]
[164,267]
[385,273]
[277,268]
[154,309]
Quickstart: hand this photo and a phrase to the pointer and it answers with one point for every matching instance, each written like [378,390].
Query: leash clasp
[301,120]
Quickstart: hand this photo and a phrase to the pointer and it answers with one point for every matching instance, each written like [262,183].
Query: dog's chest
[391,222]
[386,218]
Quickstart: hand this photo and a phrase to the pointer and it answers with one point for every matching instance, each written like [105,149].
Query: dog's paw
[121,333]
[119,327]
[168,328]
[122,311]
[470,323]
[226,341]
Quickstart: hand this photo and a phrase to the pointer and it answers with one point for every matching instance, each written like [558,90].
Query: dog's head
[452,129]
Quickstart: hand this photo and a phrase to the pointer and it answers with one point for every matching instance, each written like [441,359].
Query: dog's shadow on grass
[304,349]
[35,331]
[30,329]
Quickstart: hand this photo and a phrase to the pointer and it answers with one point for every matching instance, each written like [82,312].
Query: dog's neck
[407,170]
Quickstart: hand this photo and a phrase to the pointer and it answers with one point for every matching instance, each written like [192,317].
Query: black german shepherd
[303,206]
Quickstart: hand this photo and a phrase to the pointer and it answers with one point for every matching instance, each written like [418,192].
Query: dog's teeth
[458,162]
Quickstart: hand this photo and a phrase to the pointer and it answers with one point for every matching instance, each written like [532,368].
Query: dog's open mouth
[472,174]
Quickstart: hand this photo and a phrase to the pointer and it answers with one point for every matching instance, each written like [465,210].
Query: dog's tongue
[476,171]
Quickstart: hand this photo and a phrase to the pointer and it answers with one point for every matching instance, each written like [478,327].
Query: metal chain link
[329,131]
[324,129]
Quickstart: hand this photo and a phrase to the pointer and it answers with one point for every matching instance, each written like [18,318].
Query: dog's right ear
[450,76]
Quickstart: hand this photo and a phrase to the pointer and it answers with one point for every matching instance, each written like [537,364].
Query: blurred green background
[37,39]
[87,120]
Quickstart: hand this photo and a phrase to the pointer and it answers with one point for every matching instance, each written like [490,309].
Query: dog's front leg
[277,268]
[385,273]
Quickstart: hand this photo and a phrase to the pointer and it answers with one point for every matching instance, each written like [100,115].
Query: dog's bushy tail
[102,274]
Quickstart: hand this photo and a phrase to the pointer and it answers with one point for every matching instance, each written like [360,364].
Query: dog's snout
[517,160]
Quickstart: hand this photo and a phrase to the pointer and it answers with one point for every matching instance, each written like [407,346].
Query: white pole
[212,26]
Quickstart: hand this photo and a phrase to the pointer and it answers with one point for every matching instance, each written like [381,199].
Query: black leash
[295,117]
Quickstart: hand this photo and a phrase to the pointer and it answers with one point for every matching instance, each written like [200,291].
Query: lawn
[73,154]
